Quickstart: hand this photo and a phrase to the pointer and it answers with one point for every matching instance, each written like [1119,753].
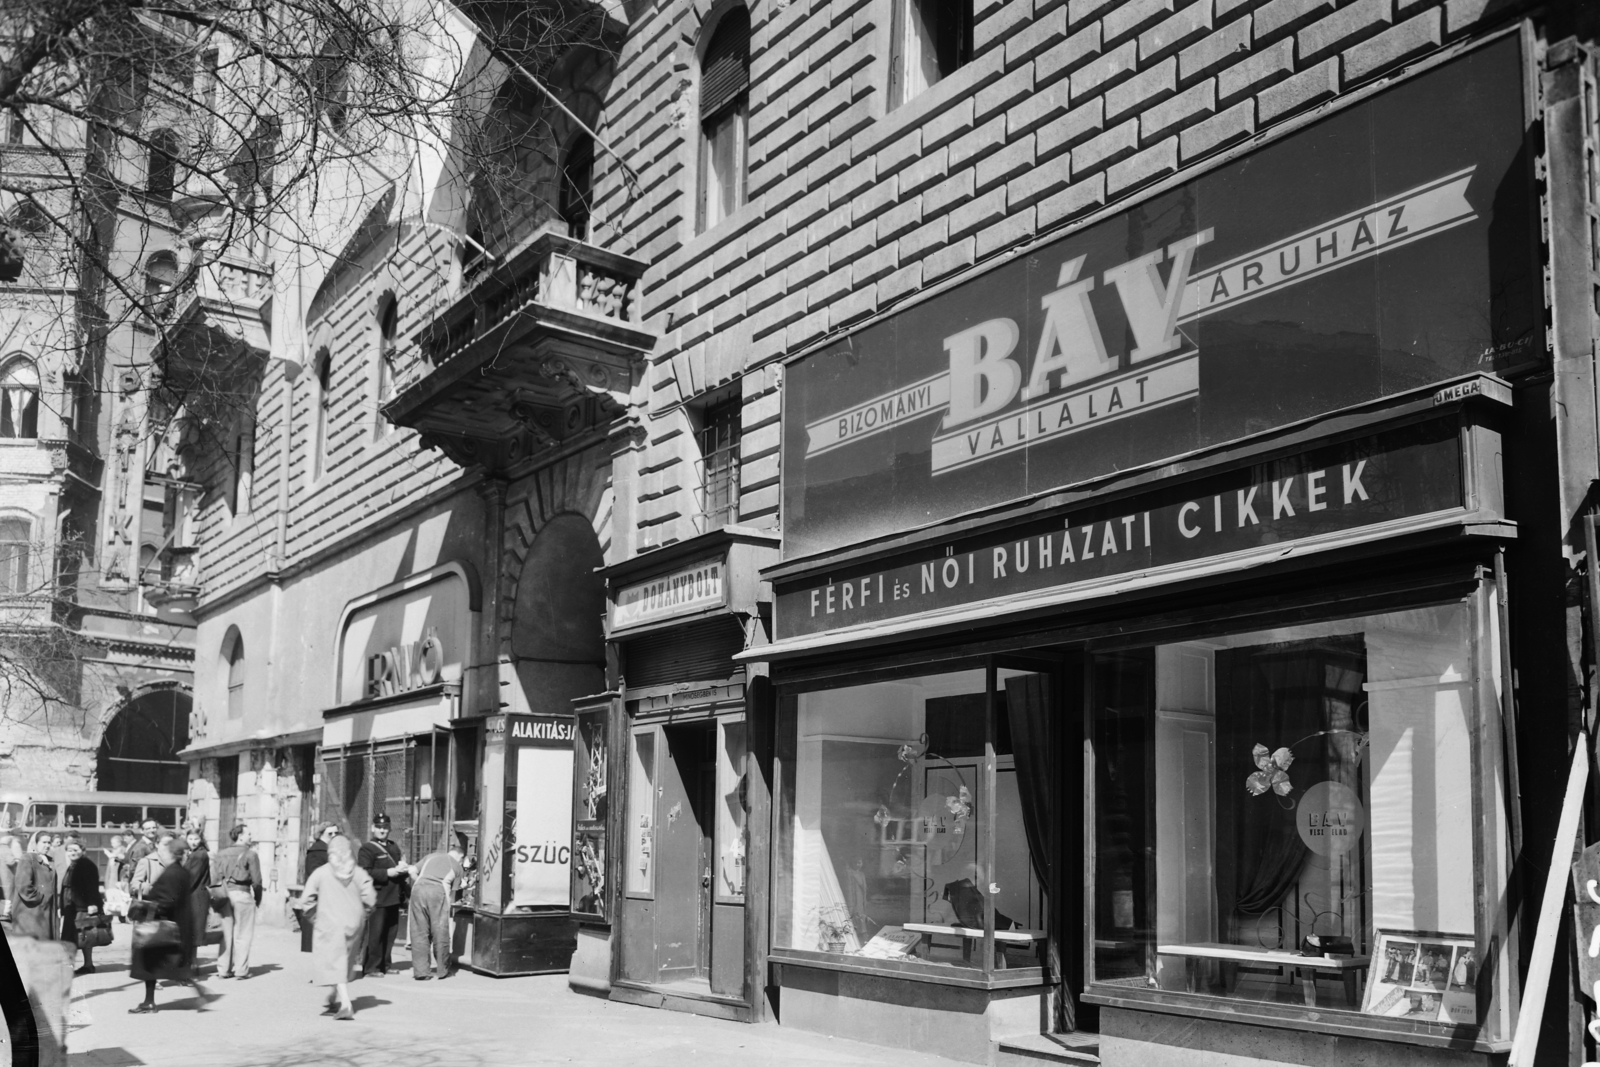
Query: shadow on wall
[557,630]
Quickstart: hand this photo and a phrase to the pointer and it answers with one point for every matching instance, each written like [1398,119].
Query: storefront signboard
[1406,473]
[541,860]
[667,596]
[1586,925]
[405,637]
[1384,248]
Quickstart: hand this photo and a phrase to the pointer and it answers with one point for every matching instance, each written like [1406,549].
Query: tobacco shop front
[1140,644]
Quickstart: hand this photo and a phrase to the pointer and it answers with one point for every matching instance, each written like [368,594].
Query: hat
[381,819]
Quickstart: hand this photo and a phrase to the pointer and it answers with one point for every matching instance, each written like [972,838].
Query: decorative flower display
[960,805]
[1273,774]
[881,816]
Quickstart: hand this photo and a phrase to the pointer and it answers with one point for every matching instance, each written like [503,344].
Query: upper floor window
[330,87]
[719,455]
[322,414]
[160,273]
[930,40]
[724,107]
[577,186]
[19,398]
[244,462]
[16,537]
[15,126]
[233,656]
[388,343]
[161,178]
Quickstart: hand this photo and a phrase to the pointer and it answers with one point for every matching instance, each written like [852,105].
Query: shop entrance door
[684,874]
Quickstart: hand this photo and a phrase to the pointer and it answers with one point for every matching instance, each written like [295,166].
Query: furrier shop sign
[1384,248]
[1402,474]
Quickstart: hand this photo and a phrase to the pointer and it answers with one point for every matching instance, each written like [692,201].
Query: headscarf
[341,858]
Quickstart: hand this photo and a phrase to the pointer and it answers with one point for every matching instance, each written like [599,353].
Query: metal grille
[719,476]
[700,651]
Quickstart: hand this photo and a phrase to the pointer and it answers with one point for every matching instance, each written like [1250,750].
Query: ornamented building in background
[1022,530]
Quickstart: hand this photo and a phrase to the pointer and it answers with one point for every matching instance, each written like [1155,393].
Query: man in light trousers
[239,872]
[435,883]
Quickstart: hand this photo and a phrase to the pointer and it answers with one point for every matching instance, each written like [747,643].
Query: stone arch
[140,744]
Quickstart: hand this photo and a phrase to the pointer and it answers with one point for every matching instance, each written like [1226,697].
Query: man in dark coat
[383,861]
[138,851]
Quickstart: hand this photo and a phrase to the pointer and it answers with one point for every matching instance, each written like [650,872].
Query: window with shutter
[724,96]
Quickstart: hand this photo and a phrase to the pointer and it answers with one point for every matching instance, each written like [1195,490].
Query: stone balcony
[539,352]
[220,305]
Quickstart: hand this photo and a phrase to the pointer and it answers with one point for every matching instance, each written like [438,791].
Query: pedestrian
[80,895]
[58,857]
[163,935]
[385,865]
[137,851]
[34,914]
[238,871]
[145,872]
[10,853]
[338,900]
[197,861]
[433,887]
[317,852]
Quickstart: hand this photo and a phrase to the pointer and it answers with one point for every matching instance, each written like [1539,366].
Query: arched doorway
[558,634]
[140,746]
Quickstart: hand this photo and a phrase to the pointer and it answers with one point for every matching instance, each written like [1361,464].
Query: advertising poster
[1425,976]
[541,867]
[1383,248]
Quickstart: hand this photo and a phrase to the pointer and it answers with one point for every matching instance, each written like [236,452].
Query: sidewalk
[272,1020]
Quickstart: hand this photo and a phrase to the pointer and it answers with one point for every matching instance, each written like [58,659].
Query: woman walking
[164,934]
[197,861]
[34,913]
[338,897]
[80,895]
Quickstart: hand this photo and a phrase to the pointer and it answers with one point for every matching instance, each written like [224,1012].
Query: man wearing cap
[382,859]
[432,886]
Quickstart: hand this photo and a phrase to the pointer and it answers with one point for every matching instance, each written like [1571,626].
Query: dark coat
[316,856]
[167,898]
[376,858]
[34,912]
[80,891]
[197,861]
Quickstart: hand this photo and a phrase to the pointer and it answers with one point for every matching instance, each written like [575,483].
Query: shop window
[19,399]
[233,655]
[724,107]
[719,458]
[931,39]
[16,536]
[730,841]
[577,186]
[227,796]
[883,847]
[1288,816]
[639,878]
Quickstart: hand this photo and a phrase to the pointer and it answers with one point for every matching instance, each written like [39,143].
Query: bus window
[167,817]
[10,816]
[82,815]
[41,815]
[120,815]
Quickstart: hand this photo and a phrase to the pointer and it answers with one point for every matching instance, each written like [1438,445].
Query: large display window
[907,828]
[1306,816]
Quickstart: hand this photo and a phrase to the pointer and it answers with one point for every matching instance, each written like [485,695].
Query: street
[272,1020]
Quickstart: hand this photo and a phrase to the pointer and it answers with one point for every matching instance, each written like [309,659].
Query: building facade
[1018,530]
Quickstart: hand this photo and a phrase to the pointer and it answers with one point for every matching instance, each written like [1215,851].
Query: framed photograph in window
[1425,976]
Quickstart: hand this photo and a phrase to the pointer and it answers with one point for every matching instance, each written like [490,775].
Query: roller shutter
[700,651]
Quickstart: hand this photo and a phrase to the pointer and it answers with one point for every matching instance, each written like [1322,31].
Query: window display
[883,849]
[640,830]
[1288,815]
[731,813]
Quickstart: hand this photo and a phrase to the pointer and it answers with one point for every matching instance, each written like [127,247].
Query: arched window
[577,186]
[324,406]
[388,343]
[161,177]
[19,398]
[16,540]
[233,657]
[330,86]
[160,273]
[724,105]
[930,40]
[244,462]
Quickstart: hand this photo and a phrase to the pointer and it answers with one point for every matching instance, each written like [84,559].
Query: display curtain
[1032,744]
[1276,696]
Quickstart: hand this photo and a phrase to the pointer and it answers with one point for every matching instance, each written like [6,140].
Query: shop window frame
[631,835]
[1493,1033]
[986,975]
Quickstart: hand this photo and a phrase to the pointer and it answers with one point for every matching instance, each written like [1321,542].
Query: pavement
[272,1020]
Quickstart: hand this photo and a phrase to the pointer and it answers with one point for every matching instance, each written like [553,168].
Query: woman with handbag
[197,861]
[163,926]
[337,899]
[34,913]
[82,904]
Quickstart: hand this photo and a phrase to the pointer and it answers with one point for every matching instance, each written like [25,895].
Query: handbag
[94,931]
[155,933]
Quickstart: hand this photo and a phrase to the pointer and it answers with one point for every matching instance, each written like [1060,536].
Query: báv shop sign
[1403,474]
[1385,248]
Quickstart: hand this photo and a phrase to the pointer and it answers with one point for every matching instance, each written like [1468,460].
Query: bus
[96,817]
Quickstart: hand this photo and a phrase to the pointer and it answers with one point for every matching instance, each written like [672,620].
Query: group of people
[352,898]
[46,885]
